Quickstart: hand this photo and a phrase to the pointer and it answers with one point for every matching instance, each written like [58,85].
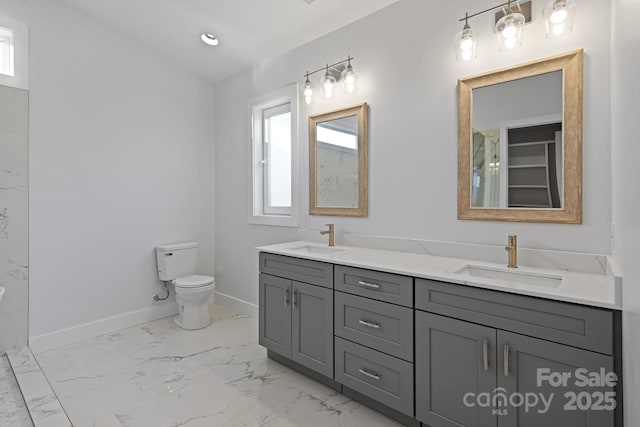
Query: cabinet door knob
[369,374]
[485,354]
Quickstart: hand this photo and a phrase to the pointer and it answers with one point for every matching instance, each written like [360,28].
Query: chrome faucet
[512,248]
[331,233]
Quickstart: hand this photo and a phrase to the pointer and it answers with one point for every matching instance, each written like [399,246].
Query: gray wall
[408,75]
[120,155]
[14,188]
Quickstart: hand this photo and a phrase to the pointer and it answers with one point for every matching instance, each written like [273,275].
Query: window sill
[276,220]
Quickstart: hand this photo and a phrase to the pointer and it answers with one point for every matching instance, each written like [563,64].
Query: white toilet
[177,264]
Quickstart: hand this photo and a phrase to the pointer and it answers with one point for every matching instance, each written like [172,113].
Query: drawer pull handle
[295,297]
[369,375]
[369,285]
[506,360]
[485,354]
[286,297]
[369,324]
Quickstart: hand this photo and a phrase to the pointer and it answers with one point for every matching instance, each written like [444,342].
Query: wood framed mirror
[338,142]
[520,142]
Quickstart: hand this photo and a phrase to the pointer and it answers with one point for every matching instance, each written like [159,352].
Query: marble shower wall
[337,176]
[14,174]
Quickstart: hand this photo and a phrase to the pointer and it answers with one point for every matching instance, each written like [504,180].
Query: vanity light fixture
[328,82]
[209,39]
[510,21]
[509,28]
[465,42]
[348,78]
[333,74]
[308,90]
[558,16]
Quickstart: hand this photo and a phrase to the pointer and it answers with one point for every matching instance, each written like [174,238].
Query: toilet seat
[195,281]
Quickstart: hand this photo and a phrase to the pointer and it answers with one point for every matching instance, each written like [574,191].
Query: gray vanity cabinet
[312,327]
[383,378]
[296,310]
[385,327]
[296,321]
[453,358]
[520,357]
[437,353]
[275,314]
[492,348]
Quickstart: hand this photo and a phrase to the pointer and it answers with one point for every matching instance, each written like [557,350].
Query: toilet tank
[177,260]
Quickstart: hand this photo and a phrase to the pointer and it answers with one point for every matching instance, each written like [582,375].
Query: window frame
[258,186]
[20,37]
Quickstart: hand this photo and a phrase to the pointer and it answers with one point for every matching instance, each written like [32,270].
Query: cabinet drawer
[301,270]
[379,325]
[387,287]
[381,377]
[575,325]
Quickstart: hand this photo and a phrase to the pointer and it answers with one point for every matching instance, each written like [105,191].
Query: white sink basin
[511,275]
[316,249]
[1,293]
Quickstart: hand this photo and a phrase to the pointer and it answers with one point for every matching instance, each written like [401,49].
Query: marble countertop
[598,290]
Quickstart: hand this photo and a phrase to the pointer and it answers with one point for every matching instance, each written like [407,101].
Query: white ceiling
[250,31]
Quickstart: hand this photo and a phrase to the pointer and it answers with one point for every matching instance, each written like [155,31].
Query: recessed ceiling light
[210,39]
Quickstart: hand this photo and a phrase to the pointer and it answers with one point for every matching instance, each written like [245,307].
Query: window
[274,159]
[14,65]
[6,52]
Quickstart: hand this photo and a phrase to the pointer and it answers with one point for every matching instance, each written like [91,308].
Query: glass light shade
[307,92]
[558,17]
[465,43]
[348,78]
[509,30]
[328,83]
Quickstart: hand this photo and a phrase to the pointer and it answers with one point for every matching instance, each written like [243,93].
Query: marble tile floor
[159,375]
[13,410]
[43,405]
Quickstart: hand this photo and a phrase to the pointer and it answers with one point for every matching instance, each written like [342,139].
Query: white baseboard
[236,304]
[96,328]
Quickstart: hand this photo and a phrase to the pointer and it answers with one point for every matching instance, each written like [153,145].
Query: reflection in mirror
[517,143]
[338,162]
[520,142]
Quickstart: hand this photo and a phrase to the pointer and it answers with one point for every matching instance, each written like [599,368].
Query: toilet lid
[194,281]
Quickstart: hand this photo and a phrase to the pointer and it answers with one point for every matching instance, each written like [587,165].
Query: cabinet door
[453,358]
[275,314]
[313,327]
[520,358]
